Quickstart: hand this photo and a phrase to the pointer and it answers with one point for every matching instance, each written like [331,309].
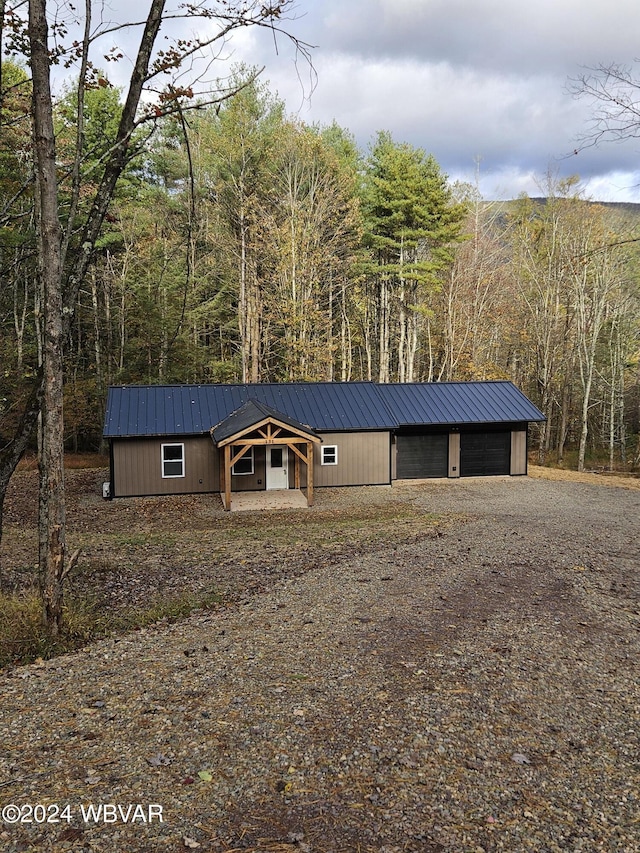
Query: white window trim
[253,464]
[333,447]
[163,461]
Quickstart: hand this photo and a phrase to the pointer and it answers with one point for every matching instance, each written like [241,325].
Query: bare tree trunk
[384,319]
[592,296]
[412,343]
[51,460]
[329,345]
[108,360]
[97,343]
[620,388]
[345,338]
[20,317]
[123,328]
[243,305]
[402,342]
[254,326]
[58,307]
[367,337]
[545,426]
[584,429]
[402,318]
[430,352]
[612,426]
[564,419]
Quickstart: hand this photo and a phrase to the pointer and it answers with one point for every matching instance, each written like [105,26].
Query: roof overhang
[256,423]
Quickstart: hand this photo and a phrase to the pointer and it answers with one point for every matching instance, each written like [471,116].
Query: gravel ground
[472,689]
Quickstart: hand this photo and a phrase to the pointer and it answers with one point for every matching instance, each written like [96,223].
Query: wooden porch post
[227,477]
[221,475]
[309,473]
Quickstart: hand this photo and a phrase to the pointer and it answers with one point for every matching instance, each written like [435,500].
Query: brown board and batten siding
[519,452]
[137,466]
[364,459]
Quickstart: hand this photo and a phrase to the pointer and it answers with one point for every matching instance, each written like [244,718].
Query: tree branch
[615,94]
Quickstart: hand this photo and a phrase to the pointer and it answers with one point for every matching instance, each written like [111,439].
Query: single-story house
[183,439]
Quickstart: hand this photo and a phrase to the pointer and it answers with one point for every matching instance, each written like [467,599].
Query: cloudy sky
[470,81]
[483,85]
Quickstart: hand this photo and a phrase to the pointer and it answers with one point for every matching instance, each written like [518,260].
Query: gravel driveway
[473,689]
[562,523]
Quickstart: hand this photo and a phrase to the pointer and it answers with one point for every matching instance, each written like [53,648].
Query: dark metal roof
[147,410]
[137,410]
[459,403]
[250,413]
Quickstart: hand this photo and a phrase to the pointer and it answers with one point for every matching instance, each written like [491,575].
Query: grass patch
[161,609]
[24,640]
[335,527]
[140,540]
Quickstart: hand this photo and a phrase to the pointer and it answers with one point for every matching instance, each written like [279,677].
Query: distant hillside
[629,211]
[625,206]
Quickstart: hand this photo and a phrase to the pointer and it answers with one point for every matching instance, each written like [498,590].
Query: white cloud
[462,79]
[459,78]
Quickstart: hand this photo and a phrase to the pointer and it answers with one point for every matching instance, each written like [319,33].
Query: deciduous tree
[61,274]
[614,92]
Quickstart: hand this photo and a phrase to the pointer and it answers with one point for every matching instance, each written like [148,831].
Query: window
[330,454]
[172,460]
[244,465]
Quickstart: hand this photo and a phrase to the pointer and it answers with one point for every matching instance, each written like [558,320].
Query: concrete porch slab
[273,499]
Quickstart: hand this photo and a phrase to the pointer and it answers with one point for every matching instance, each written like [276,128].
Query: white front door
[277,467]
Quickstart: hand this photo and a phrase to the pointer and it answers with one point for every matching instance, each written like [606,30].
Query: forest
[243,245]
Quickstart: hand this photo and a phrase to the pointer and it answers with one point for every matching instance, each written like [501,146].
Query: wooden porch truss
[269,431]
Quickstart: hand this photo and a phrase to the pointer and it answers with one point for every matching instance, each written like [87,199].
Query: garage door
[422,456]
[483,454]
